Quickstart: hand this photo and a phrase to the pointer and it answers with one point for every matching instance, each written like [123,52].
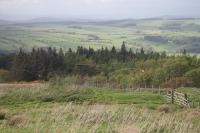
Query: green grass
[104,95]
[56,108]
[84,118]
[90,95]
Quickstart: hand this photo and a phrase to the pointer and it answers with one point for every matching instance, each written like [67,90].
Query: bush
[194,75]
[80,95]
[2,115]
[4,75]
[163,108]
[46,98]
[16,121]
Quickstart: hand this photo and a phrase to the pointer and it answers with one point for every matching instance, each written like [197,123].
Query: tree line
[120,65]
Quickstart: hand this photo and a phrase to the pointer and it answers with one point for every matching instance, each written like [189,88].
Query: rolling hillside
[151,34]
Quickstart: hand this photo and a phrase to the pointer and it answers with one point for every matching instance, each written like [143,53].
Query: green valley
[151,34]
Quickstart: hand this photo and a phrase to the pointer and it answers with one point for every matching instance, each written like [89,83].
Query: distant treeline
[189,43]
[118,65]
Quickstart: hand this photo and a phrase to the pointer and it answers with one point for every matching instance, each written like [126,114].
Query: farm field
[54,108]
[157,35]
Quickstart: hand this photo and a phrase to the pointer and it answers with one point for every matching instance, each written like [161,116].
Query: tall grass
[57,108]
[58,92]
[103,118]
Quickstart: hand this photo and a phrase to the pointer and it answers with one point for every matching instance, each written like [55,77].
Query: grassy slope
[65,36]
[44,109]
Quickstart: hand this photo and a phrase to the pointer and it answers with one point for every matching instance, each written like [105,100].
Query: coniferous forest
[116,64]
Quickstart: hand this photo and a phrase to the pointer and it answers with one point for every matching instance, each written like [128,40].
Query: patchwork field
[159,35]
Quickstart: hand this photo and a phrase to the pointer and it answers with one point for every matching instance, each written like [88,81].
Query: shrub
[194,75]
[2,115]
[46,98]
[16,121]
[4,75]
[79,95]
[163,108]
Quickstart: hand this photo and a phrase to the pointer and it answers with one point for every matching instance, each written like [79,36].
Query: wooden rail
[177,98]
[113,85]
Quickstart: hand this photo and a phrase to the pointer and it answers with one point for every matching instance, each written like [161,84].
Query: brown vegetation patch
[195,113]
[163,108]
[129,129]
[16,121]
[30,85]
[190,114]
[2,115]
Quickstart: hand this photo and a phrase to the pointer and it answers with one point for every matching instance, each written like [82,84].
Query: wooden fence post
[139,87]
[172,95]
[186,97]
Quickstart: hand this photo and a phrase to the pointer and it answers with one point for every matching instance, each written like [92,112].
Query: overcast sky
[97,9]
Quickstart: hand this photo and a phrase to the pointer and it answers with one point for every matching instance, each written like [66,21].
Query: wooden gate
[177,98]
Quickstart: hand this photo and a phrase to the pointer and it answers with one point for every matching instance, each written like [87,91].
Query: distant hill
[44,20]
[152,34]
[124,22]
[117,23]
[173,17]
[5,22]
[121,23]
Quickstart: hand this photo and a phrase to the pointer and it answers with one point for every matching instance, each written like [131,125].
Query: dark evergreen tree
[113,50]
[123,52]
[69,50]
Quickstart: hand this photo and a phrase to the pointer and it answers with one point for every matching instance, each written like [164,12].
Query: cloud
[99,8]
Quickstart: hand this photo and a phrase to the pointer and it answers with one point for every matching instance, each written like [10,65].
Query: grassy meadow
[174,35]
[56,108]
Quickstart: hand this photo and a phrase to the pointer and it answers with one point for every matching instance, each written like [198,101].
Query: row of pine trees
[115,64]
[42,63]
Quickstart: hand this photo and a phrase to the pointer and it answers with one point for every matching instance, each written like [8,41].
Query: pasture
[53,108]
[173,35]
